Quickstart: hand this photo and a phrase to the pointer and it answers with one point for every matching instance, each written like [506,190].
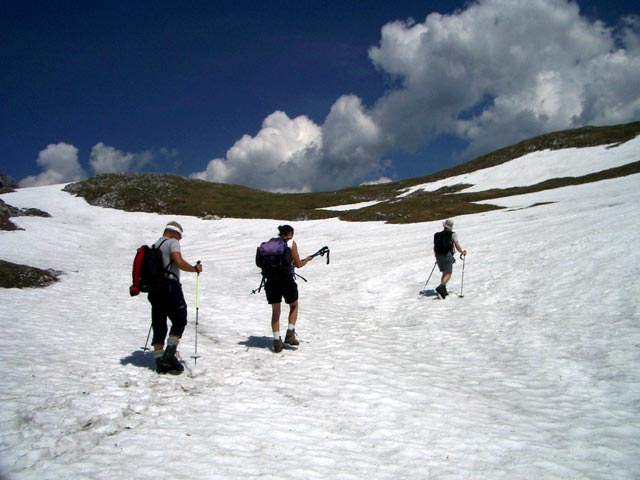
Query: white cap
[175,227]
[448,224]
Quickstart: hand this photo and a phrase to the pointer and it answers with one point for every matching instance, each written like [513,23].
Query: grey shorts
[445,262]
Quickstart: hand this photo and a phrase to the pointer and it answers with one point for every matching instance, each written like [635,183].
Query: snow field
[533,374]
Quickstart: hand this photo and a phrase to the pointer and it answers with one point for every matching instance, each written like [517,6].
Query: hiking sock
[171,350]
[276,335]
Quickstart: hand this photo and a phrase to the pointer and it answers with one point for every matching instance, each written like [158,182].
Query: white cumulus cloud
[352,140]
[106,159]
[504,70]
[280,157]
[59,163]
[497,72]
[297,155]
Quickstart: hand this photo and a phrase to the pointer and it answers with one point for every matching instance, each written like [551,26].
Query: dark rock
[13,275]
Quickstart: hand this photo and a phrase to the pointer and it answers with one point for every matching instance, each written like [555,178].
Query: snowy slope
[539,166]
[533,374]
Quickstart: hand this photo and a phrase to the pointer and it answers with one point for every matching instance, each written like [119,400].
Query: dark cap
[285,229]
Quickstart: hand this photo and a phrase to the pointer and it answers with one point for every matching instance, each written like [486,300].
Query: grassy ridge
[172,194]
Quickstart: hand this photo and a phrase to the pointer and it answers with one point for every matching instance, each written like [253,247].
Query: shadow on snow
[139,358]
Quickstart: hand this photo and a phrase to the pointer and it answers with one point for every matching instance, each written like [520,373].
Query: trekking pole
[463,258]
[195,355]
[145,348]
[322,252]
[257,290]
[434,267]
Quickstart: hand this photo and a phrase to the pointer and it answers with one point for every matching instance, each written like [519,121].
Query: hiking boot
[442,291]
[172,366]
[290,338]
[169,363]
[278,345]
[160,366]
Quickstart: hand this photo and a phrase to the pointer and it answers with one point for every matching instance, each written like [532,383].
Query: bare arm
[459,249]
[296,257]
[176,258]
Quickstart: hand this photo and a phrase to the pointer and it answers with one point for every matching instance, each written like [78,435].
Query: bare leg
[275,317]
[275,327]
[293,313]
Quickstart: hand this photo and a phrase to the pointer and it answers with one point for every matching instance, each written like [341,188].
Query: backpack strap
[167,270]
[450,237]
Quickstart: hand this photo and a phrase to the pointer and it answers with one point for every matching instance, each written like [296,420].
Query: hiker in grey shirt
[167,301]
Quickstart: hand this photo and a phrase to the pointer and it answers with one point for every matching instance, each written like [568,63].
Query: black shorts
[281,286]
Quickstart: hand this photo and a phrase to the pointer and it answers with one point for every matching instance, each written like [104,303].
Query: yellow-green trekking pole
[195,356]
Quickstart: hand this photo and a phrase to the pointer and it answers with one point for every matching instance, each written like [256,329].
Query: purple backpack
[274,257]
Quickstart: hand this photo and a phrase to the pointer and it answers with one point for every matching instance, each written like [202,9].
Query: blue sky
[302,95]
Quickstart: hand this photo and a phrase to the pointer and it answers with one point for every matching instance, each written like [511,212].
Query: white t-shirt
[167,248]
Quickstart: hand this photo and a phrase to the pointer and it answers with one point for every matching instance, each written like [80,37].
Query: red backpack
[148,269]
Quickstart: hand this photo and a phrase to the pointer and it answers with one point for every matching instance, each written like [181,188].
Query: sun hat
[448,224]
[174,227]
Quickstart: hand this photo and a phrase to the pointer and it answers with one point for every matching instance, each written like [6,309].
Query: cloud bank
[495,73]
[492,74]
[503,70]
[60,163]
